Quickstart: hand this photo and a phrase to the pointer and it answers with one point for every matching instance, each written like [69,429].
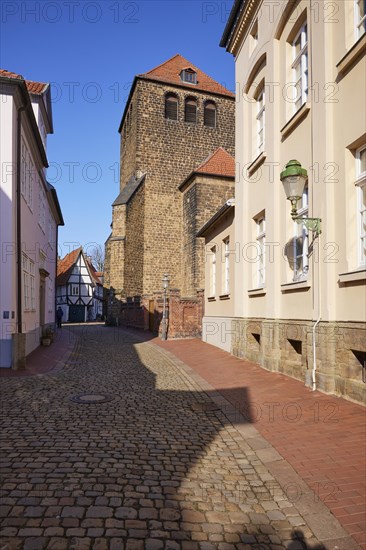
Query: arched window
[209,115]
[190,110]
[171,107]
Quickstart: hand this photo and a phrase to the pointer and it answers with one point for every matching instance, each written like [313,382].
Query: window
[226,273]
[261,109]
[51,233]
[171,107]
[300,67]
[360,17]
[75,290]
[301,242]
[189,75]
[212,290]
[254,37]
[42,208]
[42,130]
[50,295]
[209,115]
[28,283]
[361,203]
[190,110]
[261,238]
[28,174]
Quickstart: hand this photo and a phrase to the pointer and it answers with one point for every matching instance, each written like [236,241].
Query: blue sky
[90,52]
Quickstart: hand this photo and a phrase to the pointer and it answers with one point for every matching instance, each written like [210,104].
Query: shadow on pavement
[155,465]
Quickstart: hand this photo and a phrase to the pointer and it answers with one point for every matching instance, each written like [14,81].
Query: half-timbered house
[79,291]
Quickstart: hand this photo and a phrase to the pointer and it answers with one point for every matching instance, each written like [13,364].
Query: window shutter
[210,115]
[190,113]
[171,108]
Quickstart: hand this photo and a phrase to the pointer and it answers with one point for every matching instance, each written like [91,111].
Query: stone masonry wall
[115,251]
[129,144]
[201,200]
[169,151]
[134,251]
[287,347]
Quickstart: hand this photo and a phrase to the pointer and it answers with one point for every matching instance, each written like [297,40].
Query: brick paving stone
[147,470]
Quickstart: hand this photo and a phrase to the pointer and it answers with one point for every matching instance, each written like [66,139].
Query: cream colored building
[300,298]
[219,277]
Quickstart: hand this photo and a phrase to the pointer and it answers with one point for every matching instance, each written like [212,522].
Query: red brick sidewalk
[322,437]
[45,359]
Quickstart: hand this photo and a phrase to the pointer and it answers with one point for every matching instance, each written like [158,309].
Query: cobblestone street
[122,449]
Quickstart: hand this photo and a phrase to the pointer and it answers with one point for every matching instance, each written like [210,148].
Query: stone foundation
[18,351]
[286,346]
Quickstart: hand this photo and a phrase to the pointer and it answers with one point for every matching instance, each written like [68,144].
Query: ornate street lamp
[294,178]
[164,323]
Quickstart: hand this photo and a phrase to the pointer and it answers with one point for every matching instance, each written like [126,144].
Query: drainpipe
[314,354]
[313,374]
[18,224]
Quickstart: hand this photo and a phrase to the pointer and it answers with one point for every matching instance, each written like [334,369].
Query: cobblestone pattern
[151,469]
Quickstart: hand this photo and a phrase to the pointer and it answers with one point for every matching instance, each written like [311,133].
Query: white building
[29,218]
[79,288]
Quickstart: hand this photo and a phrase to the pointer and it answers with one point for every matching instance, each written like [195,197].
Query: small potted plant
[47,336]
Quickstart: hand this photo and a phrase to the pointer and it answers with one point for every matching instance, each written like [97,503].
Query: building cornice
[240,17]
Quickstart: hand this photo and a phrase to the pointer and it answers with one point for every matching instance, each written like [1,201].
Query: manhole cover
[197,407]
[91,398]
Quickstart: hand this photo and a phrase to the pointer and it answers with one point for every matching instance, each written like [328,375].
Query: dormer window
[189,76]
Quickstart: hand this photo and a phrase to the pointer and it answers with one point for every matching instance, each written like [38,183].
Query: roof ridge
[163,63]
[170,72]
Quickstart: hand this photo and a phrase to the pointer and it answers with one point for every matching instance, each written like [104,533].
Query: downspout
[314,354]
[18,225]
[313,374]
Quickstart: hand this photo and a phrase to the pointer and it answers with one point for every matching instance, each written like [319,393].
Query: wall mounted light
[294,178]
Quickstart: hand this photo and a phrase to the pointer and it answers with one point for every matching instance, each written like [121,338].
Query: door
[76,314]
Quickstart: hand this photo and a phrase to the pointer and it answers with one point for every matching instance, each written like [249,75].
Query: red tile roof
[65,267]
[93,272]
[219,163]
[32,87]
[169,72]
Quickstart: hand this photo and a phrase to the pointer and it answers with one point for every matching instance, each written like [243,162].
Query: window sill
[347,62]
[353,276]
[224,297]
[294,121]
[257,292]
[211,299]
[256,163]
[295,286]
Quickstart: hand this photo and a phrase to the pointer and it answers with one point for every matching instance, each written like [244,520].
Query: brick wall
[184,315]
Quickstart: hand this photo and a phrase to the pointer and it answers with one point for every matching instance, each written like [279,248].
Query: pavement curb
[317,515]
